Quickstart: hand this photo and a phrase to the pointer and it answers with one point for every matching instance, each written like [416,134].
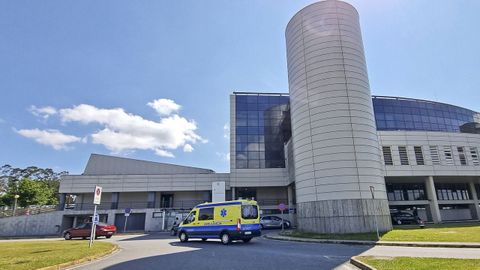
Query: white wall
[425,139]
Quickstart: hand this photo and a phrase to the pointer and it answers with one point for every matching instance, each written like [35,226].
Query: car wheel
[67,236]
[286,225]
[84,238]
[108,236]
[183,237]
[225,238]
[204,239]
[246,240]
[399,222]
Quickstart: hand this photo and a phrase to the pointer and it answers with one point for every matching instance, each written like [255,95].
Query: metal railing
[185,204]
[31,210]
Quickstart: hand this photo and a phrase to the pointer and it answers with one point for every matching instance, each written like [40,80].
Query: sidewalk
[276,236]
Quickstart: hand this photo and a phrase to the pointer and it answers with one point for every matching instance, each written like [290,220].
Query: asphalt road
[159,251]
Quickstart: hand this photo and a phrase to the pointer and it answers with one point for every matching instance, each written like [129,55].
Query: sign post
[372,190]
[282,208]
[127,213]
[97,197]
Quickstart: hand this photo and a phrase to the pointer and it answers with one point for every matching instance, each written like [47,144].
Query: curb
[373,243]
[361,265]
[65,265]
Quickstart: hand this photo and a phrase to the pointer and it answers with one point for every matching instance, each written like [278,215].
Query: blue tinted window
[396,114]
[259,136]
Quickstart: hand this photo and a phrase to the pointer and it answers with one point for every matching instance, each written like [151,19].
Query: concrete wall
[32,225]
[141,183]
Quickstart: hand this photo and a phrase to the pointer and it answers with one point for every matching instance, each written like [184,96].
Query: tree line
[33,185]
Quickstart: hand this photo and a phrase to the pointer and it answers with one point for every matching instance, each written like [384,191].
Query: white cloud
[122,131]
[187,148]
[43,112]
[164,106]
[224,156]
[226,131]
[50,137]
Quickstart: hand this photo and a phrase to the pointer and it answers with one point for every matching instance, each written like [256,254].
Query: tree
[34,185]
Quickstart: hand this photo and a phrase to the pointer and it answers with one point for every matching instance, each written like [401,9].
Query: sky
[151,79]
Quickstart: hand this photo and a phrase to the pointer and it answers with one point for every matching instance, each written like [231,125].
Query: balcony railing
[186,204]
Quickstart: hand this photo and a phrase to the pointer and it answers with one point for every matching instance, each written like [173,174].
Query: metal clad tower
[335,145]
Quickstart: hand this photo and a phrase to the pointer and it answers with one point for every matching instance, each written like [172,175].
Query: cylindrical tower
[335,145]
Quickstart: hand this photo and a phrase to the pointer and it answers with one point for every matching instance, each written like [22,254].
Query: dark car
[400,218]
[83,231]
[274,222]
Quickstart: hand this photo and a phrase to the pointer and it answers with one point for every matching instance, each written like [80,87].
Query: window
[263,125]
[419,155]
[406,192]
[387,155]
[434,155]
[447,151]
[206,214]
[452,192]
[190,218]
[474,155]
[402,151]
[461,155]
[249,212]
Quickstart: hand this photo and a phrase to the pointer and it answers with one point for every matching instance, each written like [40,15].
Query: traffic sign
[97,195]
[96,219]
[282,207]
[128,211]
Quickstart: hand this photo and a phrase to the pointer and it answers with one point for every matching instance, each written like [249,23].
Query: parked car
[83,231]
[271,222]
[400,218]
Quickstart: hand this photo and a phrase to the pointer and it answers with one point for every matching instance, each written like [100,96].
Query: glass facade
[452,192]
[393,113]
[406,192]
[262,126]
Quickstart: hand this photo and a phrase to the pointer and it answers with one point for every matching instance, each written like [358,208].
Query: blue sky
[76,77]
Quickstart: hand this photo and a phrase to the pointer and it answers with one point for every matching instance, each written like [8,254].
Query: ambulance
[227,221]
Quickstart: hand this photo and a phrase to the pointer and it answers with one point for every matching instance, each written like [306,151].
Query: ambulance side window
[206,214]
[190,218]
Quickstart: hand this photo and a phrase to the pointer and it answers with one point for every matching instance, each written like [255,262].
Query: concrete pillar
[476,207]
[290,203]
[61,204]
[75,220]
[115,196]
[432,198]
[233,193]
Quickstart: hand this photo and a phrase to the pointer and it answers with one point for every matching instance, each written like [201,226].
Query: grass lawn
[401,263]
[20,255]
[431,233]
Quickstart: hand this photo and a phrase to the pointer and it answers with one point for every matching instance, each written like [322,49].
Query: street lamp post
[372,190]
[16,196]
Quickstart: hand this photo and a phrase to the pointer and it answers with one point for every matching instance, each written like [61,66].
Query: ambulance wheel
[225,238]
[204,239]
[183,237]
[246,240]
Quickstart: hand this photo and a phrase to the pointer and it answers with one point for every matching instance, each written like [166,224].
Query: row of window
[408,114]
[413,192]
[435,151]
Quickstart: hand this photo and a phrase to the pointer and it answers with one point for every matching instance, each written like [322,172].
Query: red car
[84,230]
